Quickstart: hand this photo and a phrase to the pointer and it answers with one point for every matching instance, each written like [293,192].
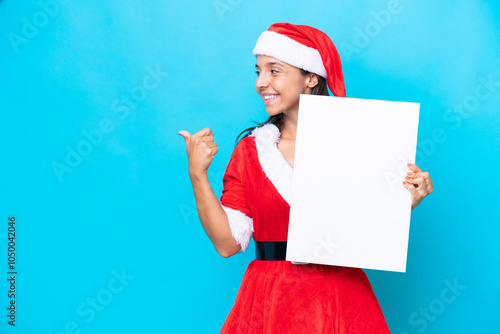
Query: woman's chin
[272,111]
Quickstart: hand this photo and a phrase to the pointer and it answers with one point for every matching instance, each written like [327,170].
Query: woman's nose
[261,81]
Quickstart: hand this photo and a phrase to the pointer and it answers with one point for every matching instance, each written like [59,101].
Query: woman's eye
[257,72]
[274,71]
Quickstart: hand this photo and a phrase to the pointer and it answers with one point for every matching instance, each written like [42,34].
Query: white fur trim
[272,161]
[241,226]
[284,48]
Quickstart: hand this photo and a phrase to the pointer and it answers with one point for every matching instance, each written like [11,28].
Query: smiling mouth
[270,97]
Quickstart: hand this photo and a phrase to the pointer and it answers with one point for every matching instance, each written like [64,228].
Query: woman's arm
[201,149]
[213,217]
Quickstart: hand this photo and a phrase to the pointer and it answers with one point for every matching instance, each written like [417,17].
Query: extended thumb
[185,134]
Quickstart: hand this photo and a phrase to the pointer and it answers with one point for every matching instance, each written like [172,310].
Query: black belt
[270,250]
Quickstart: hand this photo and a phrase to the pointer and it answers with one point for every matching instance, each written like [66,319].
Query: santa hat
[306,48]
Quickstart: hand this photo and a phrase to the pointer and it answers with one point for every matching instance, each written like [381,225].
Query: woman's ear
[312,80]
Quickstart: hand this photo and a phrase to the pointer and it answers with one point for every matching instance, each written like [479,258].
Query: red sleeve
[234,194]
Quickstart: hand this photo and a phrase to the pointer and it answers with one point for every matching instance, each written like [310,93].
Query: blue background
[127,207]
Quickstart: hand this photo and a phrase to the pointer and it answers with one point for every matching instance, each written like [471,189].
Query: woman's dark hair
[319,89]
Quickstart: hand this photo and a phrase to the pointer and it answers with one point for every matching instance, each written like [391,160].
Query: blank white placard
[348,205]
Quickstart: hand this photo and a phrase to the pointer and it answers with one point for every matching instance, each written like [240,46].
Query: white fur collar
[272,161]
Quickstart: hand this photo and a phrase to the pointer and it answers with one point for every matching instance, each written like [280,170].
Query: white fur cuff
[241,226]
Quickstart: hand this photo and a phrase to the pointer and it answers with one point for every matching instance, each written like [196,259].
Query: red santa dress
[279,296]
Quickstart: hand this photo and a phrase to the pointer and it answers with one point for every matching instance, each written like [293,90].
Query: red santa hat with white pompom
[304,47]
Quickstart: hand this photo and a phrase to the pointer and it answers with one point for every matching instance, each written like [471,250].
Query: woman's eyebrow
[274,63]
[271,63]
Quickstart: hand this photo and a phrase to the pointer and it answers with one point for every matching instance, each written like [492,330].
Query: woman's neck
[288,128]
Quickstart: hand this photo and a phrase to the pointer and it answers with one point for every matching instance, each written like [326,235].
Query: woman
[277,296]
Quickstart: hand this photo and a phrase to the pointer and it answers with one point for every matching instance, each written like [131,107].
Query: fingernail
[404,182]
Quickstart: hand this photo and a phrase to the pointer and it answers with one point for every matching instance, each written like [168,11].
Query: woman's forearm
[213,217]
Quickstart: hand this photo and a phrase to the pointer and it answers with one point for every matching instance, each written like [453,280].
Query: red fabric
[235,182]
[318,40]
[278,296]
[247,189]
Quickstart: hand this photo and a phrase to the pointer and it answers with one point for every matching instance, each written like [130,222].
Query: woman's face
[280,84]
